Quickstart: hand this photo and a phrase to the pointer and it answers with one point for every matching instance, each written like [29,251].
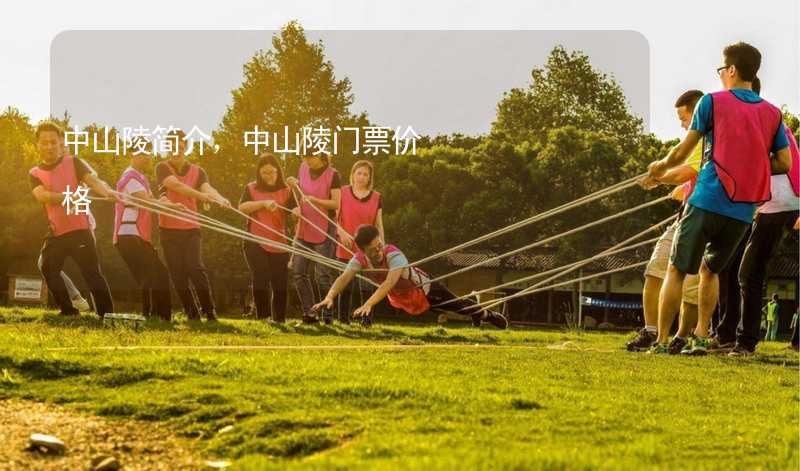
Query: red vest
[57,180]
[274,219]
[794,172]
[321,188]
[405,295]
[143,220]
[743,135]
[190,179]
[353,213]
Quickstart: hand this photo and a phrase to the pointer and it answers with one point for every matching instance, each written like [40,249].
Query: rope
[564,269]
[538,217]
[546,240]
[490,304]
[321,213]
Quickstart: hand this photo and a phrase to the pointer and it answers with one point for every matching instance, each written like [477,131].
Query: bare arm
[174,184]
[340,284]
[212,193]
[391,280]
[379,225]
[249,207]
[331,204]
[99,186]
[782,163]
[45,196]
[676,156]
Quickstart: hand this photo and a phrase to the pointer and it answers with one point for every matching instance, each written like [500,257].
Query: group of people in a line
[342,223]
[737,174]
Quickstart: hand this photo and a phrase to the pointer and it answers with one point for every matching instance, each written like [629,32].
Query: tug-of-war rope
[297,250]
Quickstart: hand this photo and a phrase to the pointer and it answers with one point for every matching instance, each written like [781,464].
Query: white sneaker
[81,304]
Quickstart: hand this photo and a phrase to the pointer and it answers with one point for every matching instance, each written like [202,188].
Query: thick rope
[538,217]
[546,240]
[564,269]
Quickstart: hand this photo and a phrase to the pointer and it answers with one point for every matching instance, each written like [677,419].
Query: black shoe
[366,321]
[69,312]
[310,319]
[327,320]
[741,351]
[642,342]
[676,345]
[496,319]
[211,317]
[477,319]
[193,316]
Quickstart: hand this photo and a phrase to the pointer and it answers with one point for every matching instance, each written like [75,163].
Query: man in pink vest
[321,185]
[185,183]
[70,232]
[741,131]
[133,235]
[407,288]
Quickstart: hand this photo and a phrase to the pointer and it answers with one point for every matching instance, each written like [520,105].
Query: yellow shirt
[696,157]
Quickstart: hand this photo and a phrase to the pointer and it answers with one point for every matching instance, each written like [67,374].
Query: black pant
[767,232]
[269,271]
[150,274]
[184,261]
[729,307]
[78,245]
[438,293]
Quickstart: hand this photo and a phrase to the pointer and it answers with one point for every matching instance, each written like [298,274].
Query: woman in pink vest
[360,205]
[264,200]
[320,183]
[186,183]
[133,236]
[70,233]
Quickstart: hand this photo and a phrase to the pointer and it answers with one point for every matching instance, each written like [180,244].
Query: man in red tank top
[70,233]
[407,288]
[186,183]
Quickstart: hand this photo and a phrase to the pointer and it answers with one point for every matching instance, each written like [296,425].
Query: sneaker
[310,319]
[658,349]
[741,351]
[676,345]
[717,346]
[81,304]
[496,319]
[69,313]
[642,342]
[327,319]
[697,346]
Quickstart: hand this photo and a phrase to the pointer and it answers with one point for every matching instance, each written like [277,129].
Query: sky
[684,42]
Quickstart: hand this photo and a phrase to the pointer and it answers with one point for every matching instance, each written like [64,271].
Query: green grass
[485,399]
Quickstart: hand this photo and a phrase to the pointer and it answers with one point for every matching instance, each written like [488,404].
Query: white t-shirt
[130,214]
[783,197]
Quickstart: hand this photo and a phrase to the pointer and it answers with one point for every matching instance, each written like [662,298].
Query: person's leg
[795,343]
[278,278]
[325,274]
[669,302]
[158,286]
[708,296]
[172,243]
[438,293]
[766,233]
[301,275]
[85,255]
[53,255]
[344,305]
[256,259]
[130,249]
[72,291]
[729,299]
[198,275]
[688,319]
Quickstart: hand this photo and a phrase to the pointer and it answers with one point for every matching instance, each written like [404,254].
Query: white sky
[685,37]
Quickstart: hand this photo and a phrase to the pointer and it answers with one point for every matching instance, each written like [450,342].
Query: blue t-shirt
[394,260]
[709,194]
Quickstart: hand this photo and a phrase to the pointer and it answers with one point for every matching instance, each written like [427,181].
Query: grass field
[412,396]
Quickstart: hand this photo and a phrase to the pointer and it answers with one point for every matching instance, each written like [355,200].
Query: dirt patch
[137,445]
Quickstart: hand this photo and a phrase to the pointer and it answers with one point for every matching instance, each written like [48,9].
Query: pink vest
[143,220]
[189,179]
[274,219]
[354,213]
[794,172]
[405,295]
[321,188]
[743,134]
[57,180]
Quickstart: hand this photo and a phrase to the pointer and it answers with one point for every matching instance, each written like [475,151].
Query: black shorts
[706,236]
